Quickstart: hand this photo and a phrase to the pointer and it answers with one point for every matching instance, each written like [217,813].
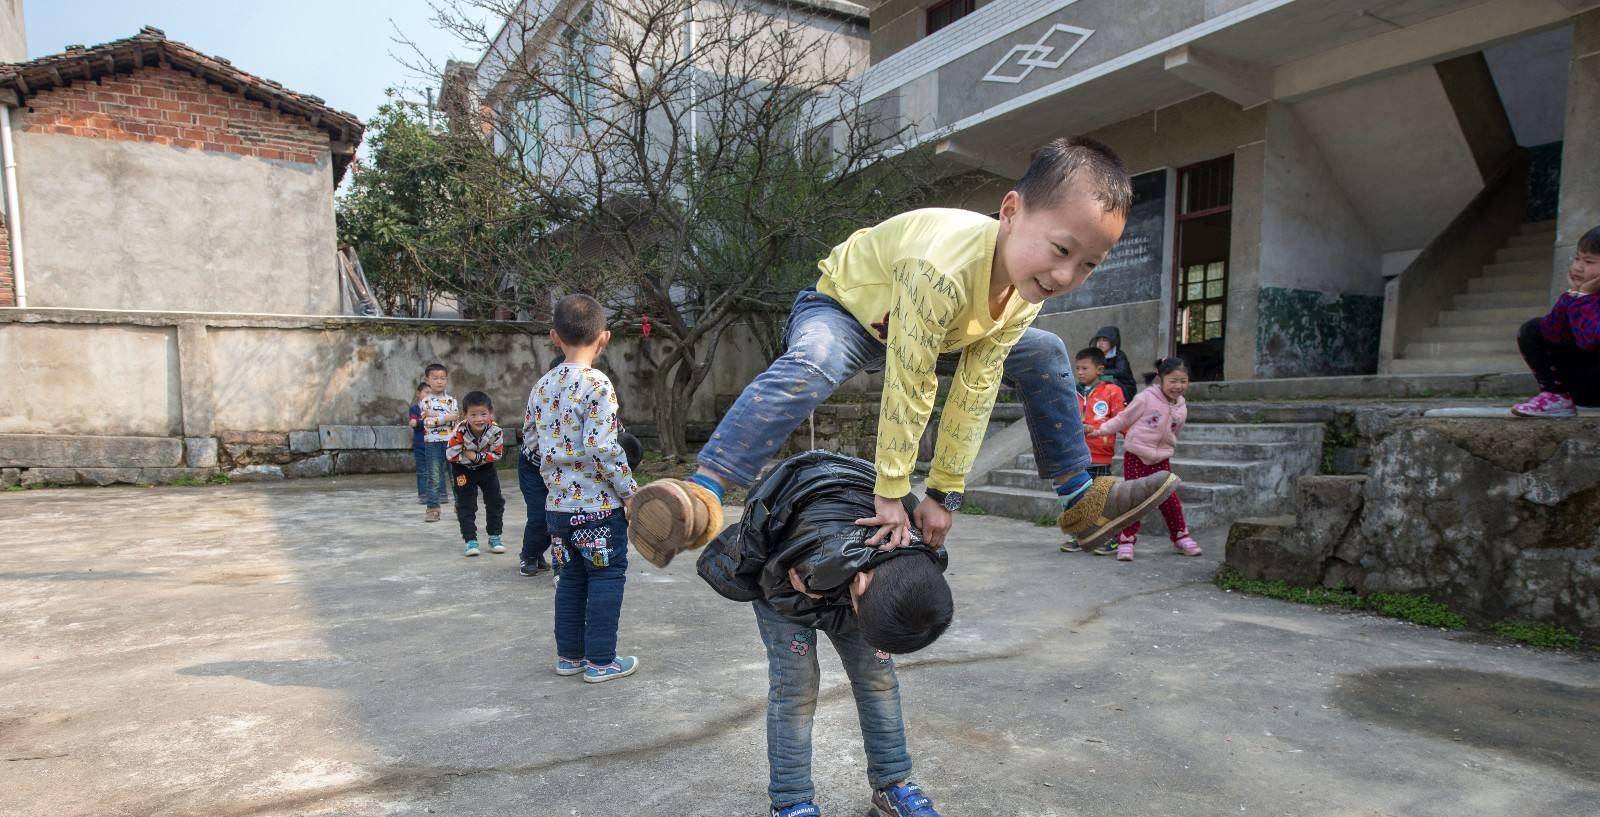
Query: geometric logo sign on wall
[1049,52]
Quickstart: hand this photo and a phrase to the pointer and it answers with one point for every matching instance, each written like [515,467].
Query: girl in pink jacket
[1150,425]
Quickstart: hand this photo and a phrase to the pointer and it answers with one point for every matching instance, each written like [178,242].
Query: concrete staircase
[1477,333]
[1230,470]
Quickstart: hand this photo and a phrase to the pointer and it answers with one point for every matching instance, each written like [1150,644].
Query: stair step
[1510,283]
[1032,503]
[1534,300]
[1488,364]
[1538,227]
[1197,450]
[1498,347]
[1478,331]
[1515,255]
[1473,317]
[1302,433]
[1532,269]
[1546,240]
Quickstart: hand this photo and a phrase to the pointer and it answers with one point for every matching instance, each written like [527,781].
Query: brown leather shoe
[670,516]
[430,515]
[1112,504]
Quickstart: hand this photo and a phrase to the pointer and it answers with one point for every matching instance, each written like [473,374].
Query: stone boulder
[1497,518]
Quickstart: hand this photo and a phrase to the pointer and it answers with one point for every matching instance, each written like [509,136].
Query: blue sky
[341,50]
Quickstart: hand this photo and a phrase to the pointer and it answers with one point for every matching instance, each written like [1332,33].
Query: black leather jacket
[802,516]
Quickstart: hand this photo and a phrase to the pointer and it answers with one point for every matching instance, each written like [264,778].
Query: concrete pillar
[1244,262]
[1579,209]
[195,394]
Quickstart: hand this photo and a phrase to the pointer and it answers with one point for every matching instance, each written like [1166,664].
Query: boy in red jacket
[1099,398]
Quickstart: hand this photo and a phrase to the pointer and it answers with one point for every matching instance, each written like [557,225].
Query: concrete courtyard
[313,648]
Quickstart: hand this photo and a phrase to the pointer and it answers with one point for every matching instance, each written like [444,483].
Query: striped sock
[709,484]
[1073,489]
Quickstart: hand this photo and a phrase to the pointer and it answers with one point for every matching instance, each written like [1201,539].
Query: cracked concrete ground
[312,648]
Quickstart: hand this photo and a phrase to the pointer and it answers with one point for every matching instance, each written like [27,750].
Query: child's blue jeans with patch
[589,596]
[826,345]
[793,679]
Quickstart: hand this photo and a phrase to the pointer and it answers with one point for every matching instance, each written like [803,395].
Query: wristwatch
[951,500]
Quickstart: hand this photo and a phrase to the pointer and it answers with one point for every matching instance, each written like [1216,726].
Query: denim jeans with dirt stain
[825,346]
[793,678]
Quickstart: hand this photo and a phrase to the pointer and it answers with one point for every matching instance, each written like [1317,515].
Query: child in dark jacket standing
[475,446]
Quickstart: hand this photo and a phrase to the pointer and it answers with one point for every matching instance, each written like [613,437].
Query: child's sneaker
[532,567]
[472,548]
[1071,545]
[1110,504]
[1546,404]
[1125,549]
[495,545]
[1107,548]
[670,516]
[1187,545]
[798,810]
[902,800]
[620,667]
[567,666]
[430,515]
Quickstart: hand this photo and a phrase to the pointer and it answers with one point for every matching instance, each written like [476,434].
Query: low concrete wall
[1494,518]
[152,396]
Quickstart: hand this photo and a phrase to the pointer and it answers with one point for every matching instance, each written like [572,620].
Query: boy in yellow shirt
[925,284]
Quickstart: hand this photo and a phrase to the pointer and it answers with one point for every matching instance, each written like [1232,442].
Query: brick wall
[167,106]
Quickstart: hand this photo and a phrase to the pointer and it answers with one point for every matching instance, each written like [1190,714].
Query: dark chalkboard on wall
[1132,271]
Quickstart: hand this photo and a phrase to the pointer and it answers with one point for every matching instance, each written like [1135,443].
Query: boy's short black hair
[475,399]
[579,319]
[1092,355]
[434,367]
[1061,160]
[632,449]
[907,606]
[422,385]
[1589,244]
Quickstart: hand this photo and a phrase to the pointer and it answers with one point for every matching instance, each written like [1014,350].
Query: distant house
[151,176]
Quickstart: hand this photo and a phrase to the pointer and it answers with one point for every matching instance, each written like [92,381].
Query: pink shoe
[1546,404]
[1187,545]
[1124,549]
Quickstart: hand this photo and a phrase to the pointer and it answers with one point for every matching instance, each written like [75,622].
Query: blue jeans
[438,472]
[825,346]
[419,456]
[589,596]
[536,533]
[792,681]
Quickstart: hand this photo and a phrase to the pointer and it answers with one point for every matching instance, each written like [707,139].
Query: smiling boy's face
[479,418]
[1050,250]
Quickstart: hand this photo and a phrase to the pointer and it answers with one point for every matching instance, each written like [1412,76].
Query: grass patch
[1415,609]
[1539,635]
[972,509]
[1046,520]
[218,478]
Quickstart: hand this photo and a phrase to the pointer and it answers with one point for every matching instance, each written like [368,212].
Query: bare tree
[683,161]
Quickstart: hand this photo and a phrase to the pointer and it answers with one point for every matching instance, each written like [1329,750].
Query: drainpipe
[13,210]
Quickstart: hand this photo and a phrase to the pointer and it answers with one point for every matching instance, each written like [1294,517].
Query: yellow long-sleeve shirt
[920,283]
